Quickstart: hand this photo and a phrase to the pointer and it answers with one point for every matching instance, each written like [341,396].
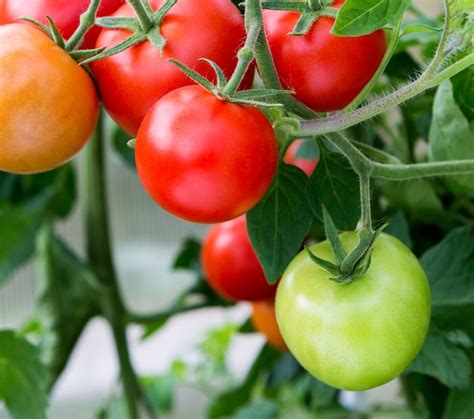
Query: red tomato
[305,164]
[132,81]
[230,264]
[326,71]
[264,320]
[65,14]
[204,159]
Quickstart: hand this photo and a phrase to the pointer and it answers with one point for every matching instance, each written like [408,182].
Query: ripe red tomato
[231,265]
[48,103]
[132,81]
[204,159]
[305,164]
[65,14]
[326,71]
[264,320]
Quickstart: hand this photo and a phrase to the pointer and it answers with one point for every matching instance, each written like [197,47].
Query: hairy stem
[146,21]
[87,20]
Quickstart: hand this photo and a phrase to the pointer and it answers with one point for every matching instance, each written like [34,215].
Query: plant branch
[87,20]
[414,171]
[146,21]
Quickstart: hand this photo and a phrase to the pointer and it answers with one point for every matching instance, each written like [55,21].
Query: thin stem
[365,199]
[439,54]
[100,258]
[146,21]
[162,315]
[87,20]
[359,162]
[414,171]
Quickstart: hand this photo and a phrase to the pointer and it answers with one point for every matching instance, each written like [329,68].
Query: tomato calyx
[348,266]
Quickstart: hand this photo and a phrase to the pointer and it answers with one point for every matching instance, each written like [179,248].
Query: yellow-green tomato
[361,334]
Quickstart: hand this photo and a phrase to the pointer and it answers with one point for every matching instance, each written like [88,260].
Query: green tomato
[361,334]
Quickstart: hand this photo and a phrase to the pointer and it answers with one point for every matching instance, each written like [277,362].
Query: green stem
[100,258]
[315,4]
[146,21]
[86,21]
[162,315]
[365,198]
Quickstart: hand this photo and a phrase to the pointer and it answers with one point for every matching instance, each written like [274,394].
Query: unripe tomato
[48,103]
[230,264]
[361,334]
[204,159]
[132,81]
[305,164]
[65,14]
[264,321]
[325,71]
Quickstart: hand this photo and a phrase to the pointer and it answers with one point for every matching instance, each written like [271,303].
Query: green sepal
[83,54]
[259,94]
[220,76]
[333,236]
[129,23]
[325,264]
[55,34]
[193,75]
[37,23]
[304,23]
[158,41]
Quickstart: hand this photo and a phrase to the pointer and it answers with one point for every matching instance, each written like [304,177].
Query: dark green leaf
[322,395]
[279,223]
[23,383]
[399,228]
[119,141]
[261,409]
[308,149]
[189,255]
[360,17]
[463,90]
[284,370]
[460,404]
[335,185]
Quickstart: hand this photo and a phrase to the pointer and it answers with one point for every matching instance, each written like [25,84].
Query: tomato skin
[65,14]
[306,165]
[326,71]
[264,321]
[230,264]
[48,114]
[204,159]
[132,81]
[359,335]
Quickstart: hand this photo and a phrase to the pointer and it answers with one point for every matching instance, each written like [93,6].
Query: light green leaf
[23,383]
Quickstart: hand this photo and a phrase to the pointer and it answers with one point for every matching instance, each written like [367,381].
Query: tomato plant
[326,71]
[132,81]
[65,14]
[362,334]
[37,108]
[264,320]
[230,264]
[203,172]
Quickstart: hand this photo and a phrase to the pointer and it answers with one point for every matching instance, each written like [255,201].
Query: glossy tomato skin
[65,14]
[48,103]
[326,71]
[305,164]
[132,81]
[264,321]
[230,264]
[359,335]
[204,159]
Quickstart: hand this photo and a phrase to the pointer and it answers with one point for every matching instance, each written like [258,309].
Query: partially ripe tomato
[65,14]
[307,165]
[204,159]
[48,103]
[264,321]
[132,81]
[326,71]
[362,334]
[230,264]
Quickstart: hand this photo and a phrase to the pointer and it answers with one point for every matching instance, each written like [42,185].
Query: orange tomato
[264,321]
[48,103]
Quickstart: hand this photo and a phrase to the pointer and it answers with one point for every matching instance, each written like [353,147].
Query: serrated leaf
[361,17]
[451,137]
[23,383]
[336,186]
[279,223]
[443,360]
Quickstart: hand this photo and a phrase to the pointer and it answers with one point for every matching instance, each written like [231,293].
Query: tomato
[307,165]
[325,71]
[264,321]
[132,81]
[65,14]
[231,265]
[48,103]
[204,159]
[362,334]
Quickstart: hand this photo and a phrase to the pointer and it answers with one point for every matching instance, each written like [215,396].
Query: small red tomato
[132,81]
[231,265]
[65,14]
[204,159]
[325,71]
[307,165]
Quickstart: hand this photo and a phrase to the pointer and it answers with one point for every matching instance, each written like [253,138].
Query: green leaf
[460,404]
[360,17]
[336,186]
[159,390]
[322,395]
[23,384]
[463,90]
[399,228]
[279,223]
[450,266]
[451,137]
[261,409]
[443,360]
[119,142]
